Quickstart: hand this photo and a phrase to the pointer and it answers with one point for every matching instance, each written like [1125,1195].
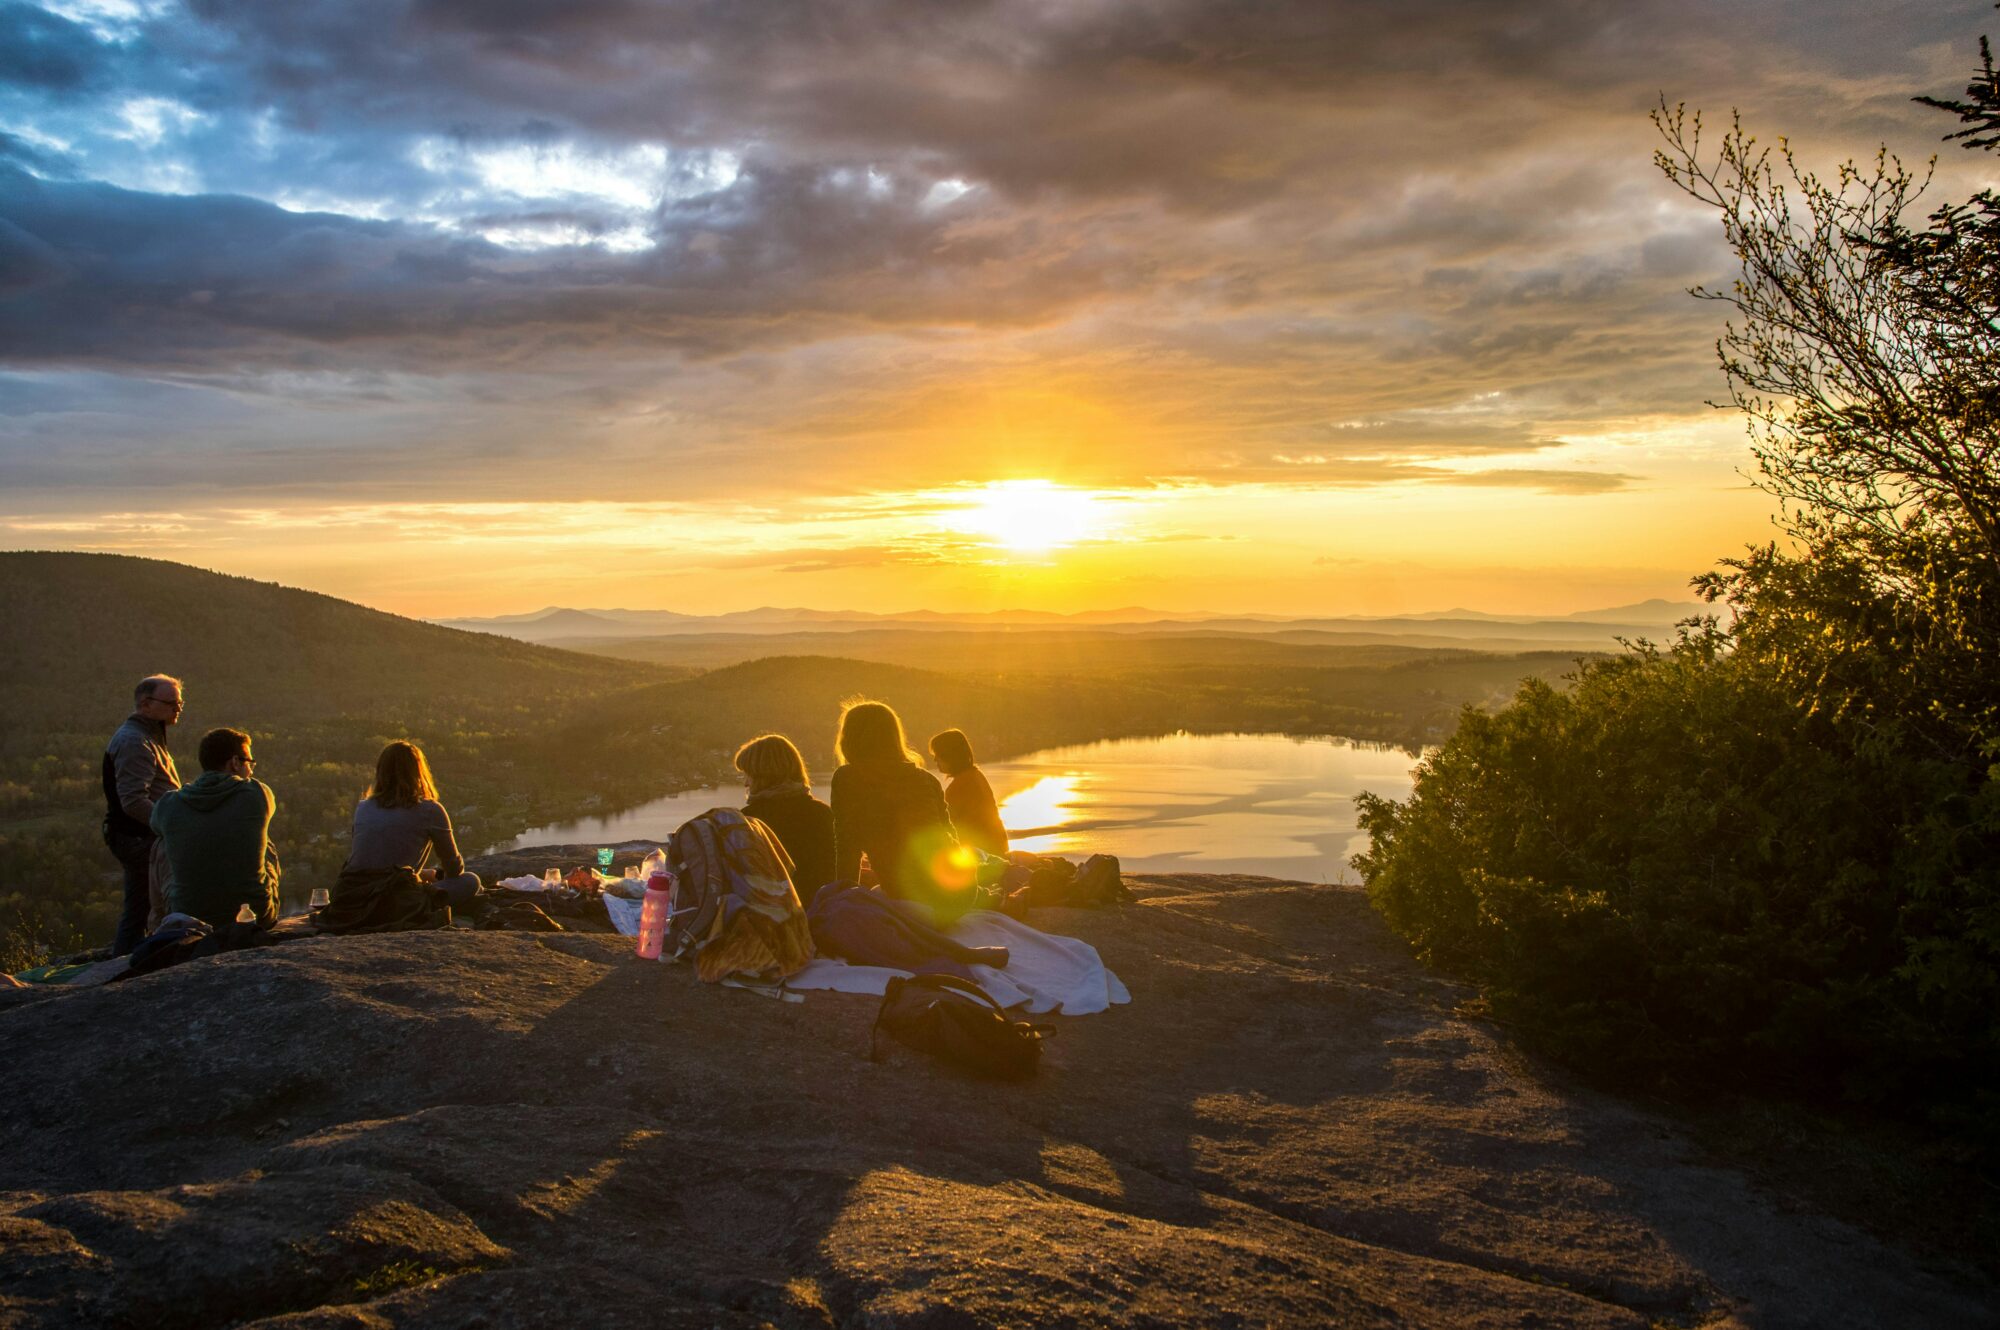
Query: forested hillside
[83,627]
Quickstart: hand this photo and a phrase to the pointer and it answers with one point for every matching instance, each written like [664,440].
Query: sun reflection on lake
[1197,803]
[1246,803]
[1050,802]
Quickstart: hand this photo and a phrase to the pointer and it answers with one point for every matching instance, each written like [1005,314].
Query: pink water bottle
[653,914]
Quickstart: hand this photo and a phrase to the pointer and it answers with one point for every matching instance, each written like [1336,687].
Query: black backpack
[171,946]
[954,1021]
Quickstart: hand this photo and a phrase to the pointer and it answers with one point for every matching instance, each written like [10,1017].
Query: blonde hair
[771,760]
[402,777]
[871,732]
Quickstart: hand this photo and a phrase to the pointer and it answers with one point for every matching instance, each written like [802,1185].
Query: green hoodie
[217,834]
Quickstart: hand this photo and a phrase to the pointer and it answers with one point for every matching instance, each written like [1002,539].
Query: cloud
[1360,472]
[1548,481]
[257,249]
[932,549]
[47,52]
[781,256]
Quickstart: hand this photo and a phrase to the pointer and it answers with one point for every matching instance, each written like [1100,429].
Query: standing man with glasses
[138,773]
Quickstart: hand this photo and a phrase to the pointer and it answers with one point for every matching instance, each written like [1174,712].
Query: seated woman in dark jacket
[399,823]
[781,798]
[886,806]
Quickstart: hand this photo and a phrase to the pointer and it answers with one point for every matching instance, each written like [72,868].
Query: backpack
[1043,880]
[1100,882]
[192,940]
[735,910]
[171,946]
[954,1021]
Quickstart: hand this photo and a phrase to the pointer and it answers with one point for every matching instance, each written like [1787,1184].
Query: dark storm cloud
[108,276]
[48,52]
[1289,230]
[915,73]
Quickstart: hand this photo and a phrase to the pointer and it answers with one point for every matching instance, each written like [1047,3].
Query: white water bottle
[653,912]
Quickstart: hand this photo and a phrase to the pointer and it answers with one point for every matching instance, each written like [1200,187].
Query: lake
[1178,803]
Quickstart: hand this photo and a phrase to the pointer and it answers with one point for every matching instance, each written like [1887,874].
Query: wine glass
[321,898]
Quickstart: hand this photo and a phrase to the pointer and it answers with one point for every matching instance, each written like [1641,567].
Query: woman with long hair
[888,807]
[781,798]
[974,812]
[399,823]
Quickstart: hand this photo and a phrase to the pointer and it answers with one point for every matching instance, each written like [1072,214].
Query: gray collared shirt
[141,766]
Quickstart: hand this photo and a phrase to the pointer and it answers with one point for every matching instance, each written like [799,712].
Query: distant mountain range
[1588,628]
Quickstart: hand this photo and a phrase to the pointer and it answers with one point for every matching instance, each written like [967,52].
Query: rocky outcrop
[1289,1124]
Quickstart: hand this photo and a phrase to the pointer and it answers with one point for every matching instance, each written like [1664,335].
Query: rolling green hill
[84,627]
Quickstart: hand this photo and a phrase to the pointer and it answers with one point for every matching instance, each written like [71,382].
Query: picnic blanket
[85,974]
[1046,972]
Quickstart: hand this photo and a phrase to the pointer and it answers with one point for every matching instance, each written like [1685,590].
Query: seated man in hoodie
[217,836]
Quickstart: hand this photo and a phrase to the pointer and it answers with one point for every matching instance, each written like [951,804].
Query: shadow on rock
[1289,1124]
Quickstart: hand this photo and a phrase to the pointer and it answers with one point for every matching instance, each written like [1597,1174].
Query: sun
[1032,516]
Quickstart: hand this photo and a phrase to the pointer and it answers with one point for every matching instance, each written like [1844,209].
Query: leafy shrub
[1676,871]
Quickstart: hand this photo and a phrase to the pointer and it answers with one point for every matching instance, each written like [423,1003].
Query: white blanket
[1045,971]
[833,975]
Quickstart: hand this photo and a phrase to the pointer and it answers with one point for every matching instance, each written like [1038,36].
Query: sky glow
[454,309]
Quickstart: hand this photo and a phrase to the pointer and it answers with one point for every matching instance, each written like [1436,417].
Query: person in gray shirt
[138,772]
[399,823]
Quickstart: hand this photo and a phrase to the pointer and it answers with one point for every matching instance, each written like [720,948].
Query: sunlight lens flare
[955,868]
[1032,516]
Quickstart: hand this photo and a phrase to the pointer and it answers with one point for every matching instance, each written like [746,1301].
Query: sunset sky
[474,306]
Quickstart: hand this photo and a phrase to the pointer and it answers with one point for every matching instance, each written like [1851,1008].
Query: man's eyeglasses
[173,702]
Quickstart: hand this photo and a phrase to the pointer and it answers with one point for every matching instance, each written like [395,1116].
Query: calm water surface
[1181,803]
